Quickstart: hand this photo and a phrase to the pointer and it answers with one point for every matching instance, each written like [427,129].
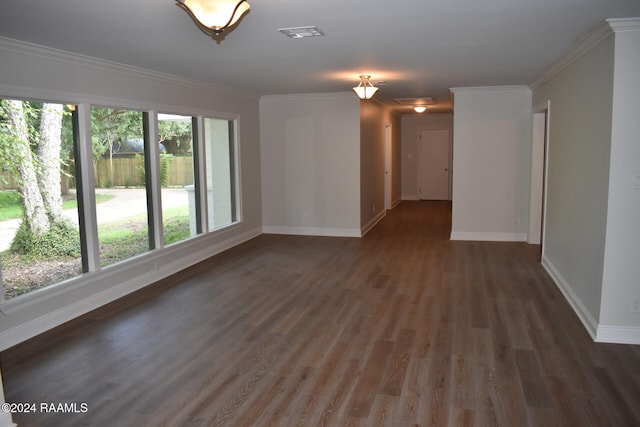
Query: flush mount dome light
[365,90]
[214,16]
[419,105]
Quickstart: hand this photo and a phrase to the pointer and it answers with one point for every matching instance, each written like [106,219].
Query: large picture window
[88,187]
[39,232]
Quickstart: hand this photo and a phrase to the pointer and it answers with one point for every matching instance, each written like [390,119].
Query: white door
[433,164]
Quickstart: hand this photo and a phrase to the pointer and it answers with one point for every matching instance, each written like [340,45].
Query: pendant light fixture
[214,16]
[365,90]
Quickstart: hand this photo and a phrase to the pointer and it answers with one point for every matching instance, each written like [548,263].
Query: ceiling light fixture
[213,17]
[419,105]
[365,90]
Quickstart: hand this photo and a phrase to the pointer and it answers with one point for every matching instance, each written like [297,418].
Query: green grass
[11,206]
[123,239]
[128,237]
[176,228]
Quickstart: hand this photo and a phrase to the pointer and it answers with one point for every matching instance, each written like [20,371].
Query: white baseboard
[410,197]
[613,334]
[587,319]
[322,231]
[372,223]
[488,237]
[51,319]
[311,231]
[618,334]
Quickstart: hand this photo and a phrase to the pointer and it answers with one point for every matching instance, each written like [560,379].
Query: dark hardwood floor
[400,328]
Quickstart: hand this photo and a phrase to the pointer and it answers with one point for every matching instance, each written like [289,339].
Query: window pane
[121,194]
[179,201]
[39,236]
[219,154]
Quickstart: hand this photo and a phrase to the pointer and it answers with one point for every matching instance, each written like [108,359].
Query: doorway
[388,165]
[434,165]
[539,148]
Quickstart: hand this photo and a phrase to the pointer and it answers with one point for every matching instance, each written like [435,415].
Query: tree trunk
[34,211]
[49,159]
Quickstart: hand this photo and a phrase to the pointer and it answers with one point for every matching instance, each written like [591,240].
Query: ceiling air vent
[414,101]
[301,32]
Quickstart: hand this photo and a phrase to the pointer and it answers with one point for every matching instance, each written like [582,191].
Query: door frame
[541,119]
[388,167]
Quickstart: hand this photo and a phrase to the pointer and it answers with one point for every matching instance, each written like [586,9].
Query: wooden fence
[128,172]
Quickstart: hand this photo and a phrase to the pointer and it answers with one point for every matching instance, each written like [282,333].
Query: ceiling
[420,48]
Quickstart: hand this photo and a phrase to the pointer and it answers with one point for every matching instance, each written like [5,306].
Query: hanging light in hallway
[365,90]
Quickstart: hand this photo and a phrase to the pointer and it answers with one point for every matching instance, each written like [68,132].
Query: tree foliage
[111,125]
[175,135]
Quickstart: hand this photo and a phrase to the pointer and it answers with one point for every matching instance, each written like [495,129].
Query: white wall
[621,270]
[578,175]
[310,149]
[412,124]
[35,72]
[491,163]
[373,118]
[592,231]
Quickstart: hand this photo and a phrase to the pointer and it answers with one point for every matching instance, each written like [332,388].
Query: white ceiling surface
[419,47]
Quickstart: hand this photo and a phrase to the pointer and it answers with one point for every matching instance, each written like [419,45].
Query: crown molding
[624,24]
[50,53]
[455,90]
[585,44]
[303,96]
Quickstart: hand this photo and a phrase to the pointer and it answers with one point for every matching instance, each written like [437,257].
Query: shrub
[62,240]
[165,161]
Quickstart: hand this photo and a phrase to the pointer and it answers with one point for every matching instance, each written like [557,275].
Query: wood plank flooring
[400,328]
